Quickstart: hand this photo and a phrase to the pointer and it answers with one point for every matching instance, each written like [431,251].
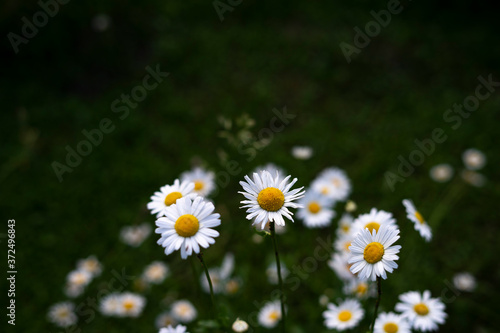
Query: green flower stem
[450,198]
[214,306]
[278,265]
[379,290]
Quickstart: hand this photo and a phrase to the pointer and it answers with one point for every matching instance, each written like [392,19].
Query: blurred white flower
[441,173]
[240,326]
[165,319]
[131,305]
[474,159]
[156,272]
[91,265]
[338,263]
[316,210]
[359,288]
[391,322]
[345,225]
[270,314]
[344,316]
[350,206]
[423,312]
[464,281]
[110,305]
[176,329]
[62,314]
[272,273]
[135,235]
[204,181]
[184,311]
[333,183]
[302,152]
[418,220]
[473,178]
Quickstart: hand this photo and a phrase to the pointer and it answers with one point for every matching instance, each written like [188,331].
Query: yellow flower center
[362,288]
[419,217]
[373,225]
[314,207]
[232,287]
[345,228]
[336,182]
[198,185]
[187,225]
[421,309]
[271,199]
[373,252]
[171,198]
[128,305]
[324,190]
[346,246]
[345,315]
[391,328]
[63,313]
[274,315]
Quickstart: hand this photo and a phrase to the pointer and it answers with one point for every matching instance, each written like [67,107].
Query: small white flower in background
[204,181]
[232,286]
[373,221]
[76,281]
[156,272]
[316,210]
[391,323]
[360,288]
[168,196]
[333,183]
[350,206]
[184,311]
[187,226]
[464,281]
[165,319]
[240,326]
[271,168]
[345,224]
[338,263]
[91,265]
[344,316]
[176,329]
[110,305]
[73,291]
[323,300]
[268,198]
[135,235]
[343,242]
[474,159]
[441,173]
[423,312]
[101,22]
[302,152]
[414,215]
[372,254]
[272,273]
[270,314]
[473,178]
[131,305]
[62,314]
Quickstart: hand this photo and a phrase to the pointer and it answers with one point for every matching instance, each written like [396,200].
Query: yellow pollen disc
[361,289]
[63,313]
[128,305]
[373,252]
[421,309]
[314,207]
[373,225]
[391,328]
[274,315]
[419,217]
[171,198]
[336,182]
[346,246]
[198,185]
[345,315]
[345,228]
[324,190]
[271,199]
[187,225]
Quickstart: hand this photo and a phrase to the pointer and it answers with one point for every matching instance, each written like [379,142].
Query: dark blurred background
[359,116]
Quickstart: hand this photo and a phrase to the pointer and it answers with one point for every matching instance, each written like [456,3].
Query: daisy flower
[168,196]
[316,210]
[302,152]
[270,314]
[110,305]
[373,221]
[464,281]
[474,159]
[372,254]
[333,183]
[156,272]
[441,173]
[350,206]
[187,226]
[360,288]
[135,235]
[339,264]
[76,281]
[176,329]
[219,275]
[414,215]
[131,305]
[423,312]
[473,178]
[391,323]
[204,181]
[344,316]
[232,286]
[345,224]
[272,273]
[184,311]
[342,243]
[165,319]
[239,326]
[268,198]
[62,314]
[91,265]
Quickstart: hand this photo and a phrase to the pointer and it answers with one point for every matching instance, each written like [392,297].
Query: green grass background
[359,117]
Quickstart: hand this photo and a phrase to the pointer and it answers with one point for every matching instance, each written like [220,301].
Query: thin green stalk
[214,306]
[450,198]
[379,290]
[278,265]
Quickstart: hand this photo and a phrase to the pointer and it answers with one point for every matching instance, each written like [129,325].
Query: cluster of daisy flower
[124,304]
[473,160]
[86,270]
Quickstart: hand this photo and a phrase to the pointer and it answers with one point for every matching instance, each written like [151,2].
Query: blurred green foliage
[359,116]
